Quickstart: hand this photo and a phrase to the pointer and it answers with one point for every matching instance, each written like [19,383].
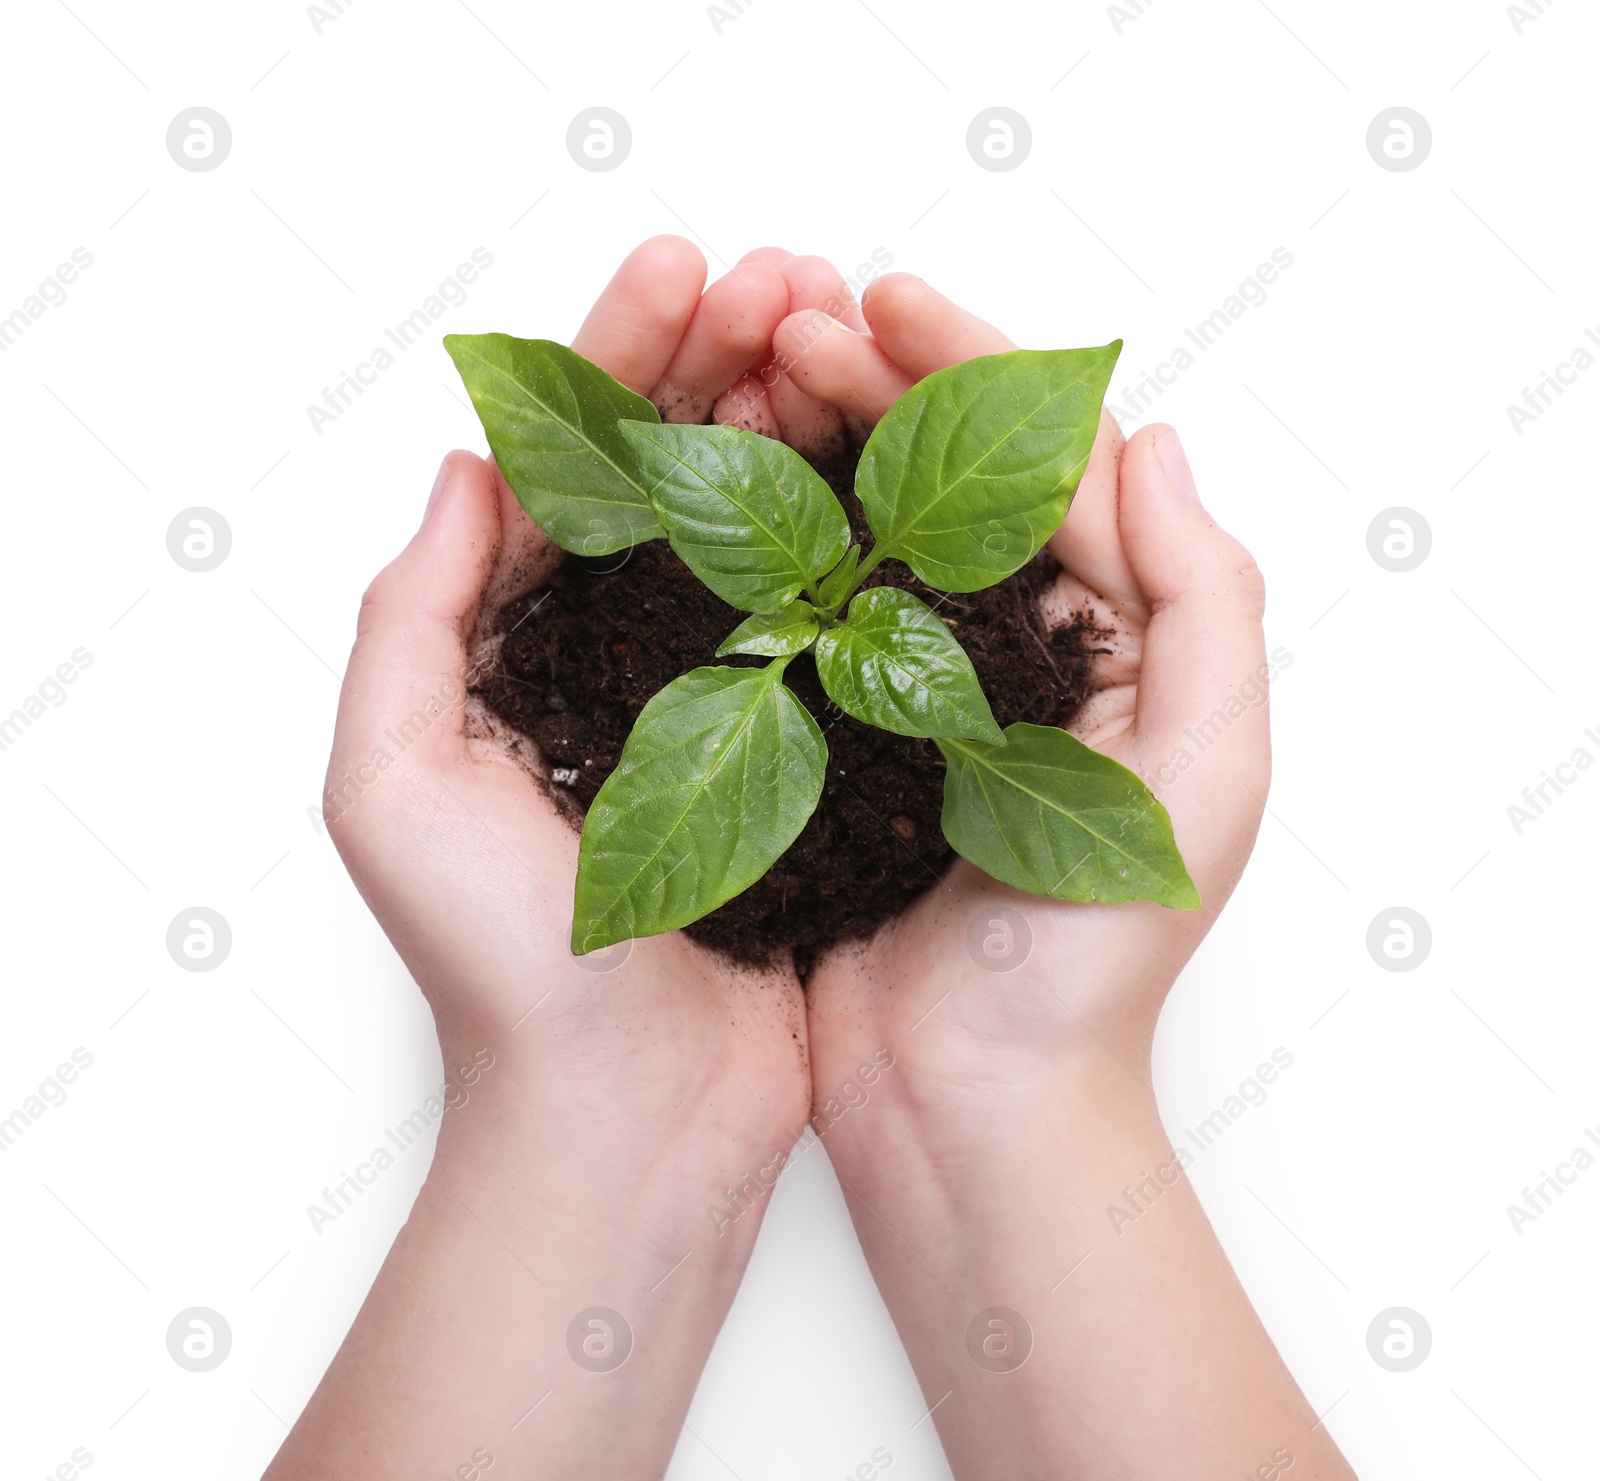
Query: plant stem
[865,569]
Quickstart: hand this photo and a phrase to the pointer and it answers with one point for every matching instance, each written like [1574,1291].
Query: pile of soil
[609,633]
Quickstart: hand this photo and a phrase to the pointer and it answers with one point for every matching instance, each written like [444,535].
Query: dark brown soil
[583,654]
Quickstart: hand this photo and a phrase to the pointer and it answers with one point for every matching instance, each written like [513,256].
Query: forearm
[1137,1348]
[469,1343]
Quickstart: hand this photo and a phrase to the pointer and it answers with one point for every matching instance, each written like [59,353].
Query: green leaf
[774,634]
[552,418]
[749,516]
[1049,815]
[722,770]
[971,471]
[836,584]
[894,664]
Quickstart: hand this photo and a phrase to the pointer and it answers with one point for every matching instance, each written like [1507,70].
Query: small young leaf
[722,770]
[971,471]
[837,582]
[774,634]
[1049,815]
[894,664]
[552,417]
[749,516]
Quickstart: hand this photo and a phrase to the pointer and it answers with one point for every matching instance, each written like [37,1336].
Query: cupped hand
[979,984]
[1014,1139]
[616,1099]
[624,1100]
[454,843]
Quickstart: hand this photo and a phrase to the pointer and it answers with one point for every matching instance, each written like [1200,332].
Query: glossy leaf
[774,634]
[971,471]
[552,420]
[894,664]
[1048,814]
[722,770]
[749,516]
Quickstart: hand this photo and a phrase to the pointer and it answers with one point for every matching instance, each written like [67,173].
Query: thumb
[405,689]
[1200,721]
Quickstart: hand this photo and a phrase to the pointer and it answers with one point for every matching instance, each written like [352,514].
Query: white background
[1172,151]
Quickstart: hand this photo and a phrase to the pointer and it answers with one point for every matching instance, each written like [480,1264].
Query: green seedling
[964,480]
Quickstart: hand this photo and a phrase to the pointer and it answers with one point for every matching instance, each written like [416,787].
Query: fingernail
[1175,464]
[438,489]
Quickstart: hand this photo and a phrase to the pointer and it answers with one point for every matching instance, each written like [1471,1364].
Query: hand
[458,850]
[1184,603]
[609,1111]
[1018,1110]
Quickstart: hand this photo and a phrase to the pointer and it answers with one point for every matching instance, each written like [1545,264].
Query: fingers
[833,363]
[810,426]
[914,331]
[731,331]
[815,283]
[1089,543]
[922,331]
[406,674]
[813,426]
[767,256]
[768,401]
[1201,718]
[524,560]
[747,404]
[637,322]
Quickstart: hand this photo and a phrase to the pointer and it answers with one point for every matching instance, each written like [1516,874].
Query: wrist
[581,1155]
[574,1226]
[1010,1147]
[1052,1276]
[567,1231]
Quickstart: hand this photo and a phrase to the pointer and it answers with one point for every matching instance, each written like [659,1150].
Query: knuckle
[1250,584]
[1231,574]
[375,601]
